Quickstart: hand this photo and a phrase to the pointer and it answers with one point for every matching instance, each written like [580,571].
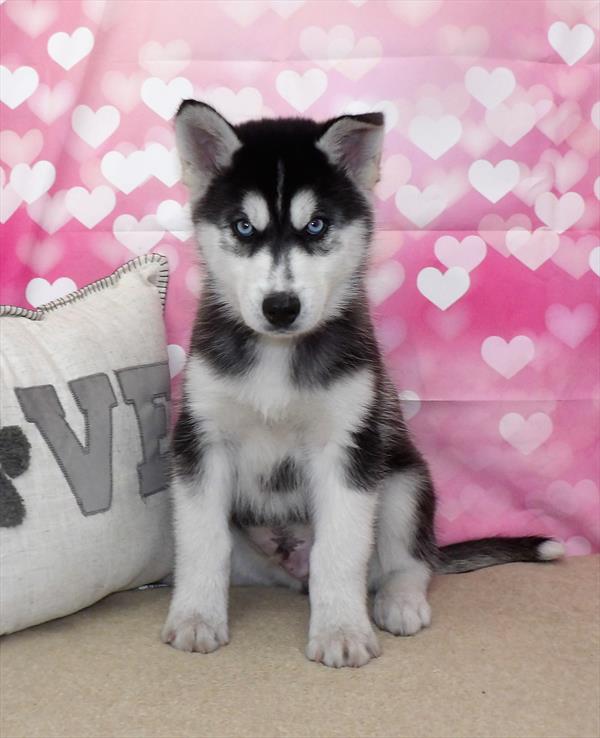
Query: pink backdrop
[485,275]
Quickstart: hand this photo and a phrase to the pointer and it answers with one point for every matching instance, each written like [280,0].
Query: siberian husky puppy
[292,464]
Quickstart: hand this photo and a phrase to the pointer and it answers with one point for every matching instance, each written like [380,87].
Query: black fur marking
[400,452]
[245,517]
[227,343]
[470,555]
[187,446]
[284,477]
[365,462]
[338,348]
[424,546]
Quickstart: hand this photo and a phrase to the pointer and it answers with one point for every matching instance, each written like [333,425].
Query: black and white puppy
[291,460]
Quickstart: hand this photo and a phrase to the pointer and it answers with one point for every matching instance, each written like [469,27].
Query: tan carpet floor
[513,651]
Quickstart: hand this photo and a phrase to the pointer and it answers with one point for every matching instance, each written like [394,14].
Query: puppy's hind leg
[404,540]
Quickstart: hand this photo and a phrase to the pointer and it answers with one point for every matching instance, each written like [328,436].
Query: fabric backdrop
[486,266]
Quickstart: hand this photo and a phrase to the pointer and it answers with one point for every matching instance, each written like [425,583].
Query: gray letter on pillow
[143,387]
[87,468]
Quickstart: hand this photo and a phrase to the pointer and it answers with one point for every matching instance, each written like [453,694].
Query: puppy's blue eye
[244,228]
[316,227]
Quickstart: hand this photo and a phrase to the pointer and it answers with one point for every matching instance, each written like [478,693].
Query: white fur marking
[551,550]
[302,208]
[257,210]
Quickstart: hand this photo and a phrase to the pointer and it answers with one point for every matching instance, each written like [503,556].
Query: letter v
[87,467]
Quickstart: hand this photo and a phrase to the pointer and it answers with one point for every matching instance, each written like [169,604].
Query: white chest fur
[264,419]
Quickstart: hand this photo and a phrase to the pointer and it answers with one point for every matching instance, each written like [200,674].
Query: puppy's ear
[206,143]
[354,143]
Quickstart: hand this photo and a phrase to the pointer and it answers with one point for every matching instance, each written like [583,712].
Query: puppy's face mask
[282,212]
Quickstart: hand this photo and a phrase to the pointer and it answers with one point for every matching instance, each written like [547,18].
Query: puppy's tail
[470,555]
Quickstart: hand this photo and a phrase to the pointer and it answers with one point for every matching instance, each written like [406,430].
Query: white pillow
[84,511]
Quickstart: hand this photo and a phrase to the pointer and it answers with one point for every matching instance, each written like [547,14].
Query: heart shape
[421,207]
[95,126]
[510,123]
[490,88]
[15,149]
[39,291]
[532,249]
[508,358]
[468,253]
[494,182]
[534,182]
[49,103]
[139,236]
[67,50]
[435,136]
[525,435]
[571,44]
[176,219]
[574,256]
[493,229]
[571,327]
[443,289]
[30,183]
[301,90]
[164,98]
[17,86]
[92,207]
[559,214]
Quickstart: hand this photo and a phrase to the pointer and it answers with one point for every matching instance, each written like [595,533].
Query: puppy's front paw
[193,633]
[343,647]
[401,614]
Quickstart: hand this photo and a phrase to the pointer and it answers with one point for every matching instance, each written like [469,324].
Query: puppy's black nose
[281,308]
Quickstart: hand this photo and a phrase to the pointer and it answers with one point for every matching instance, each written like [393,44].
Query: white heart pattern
[490,88]
[31,182]
[559,213]
[421,207]
[164,98]
[508,358]
[67,50]
[494,182]
[95,126]
[90,208]
[443,289]
[572,44]
[301,90]
[39,291]
[435,137]
[526,435]
[139,236]
[17,86]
